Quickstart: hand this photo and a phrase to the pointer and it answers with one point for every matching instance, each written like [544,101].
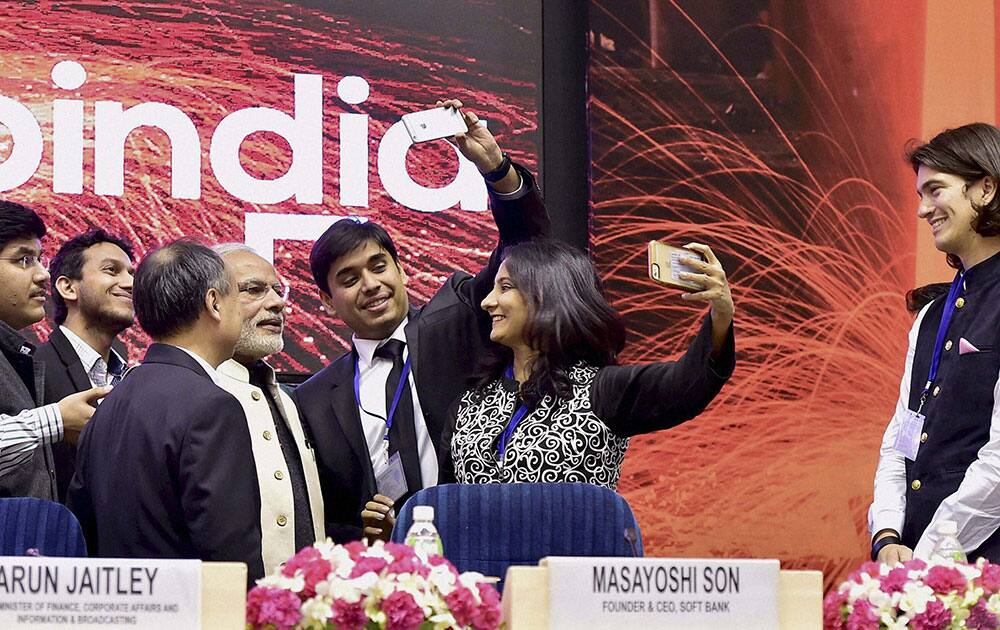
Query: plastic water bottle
[948,547]
[423,536]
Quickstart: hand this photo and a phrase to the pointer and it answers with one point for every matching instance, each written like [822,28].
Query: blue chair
[46,527]
[488,527]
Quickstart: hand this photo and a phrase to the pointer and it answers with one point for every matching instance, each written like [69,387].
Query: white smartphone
[431,124]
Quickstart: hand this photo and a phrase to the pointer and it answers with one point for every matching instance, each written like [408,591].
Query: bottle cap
[947,528]
[423,513]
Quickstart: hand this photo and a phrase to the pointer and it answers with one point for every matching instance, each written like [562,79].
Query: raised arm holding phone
[551,404]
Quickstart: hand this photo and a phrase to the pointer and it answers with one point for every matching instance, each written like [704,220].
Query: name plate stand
[662,593]
[99,593]
[582,593]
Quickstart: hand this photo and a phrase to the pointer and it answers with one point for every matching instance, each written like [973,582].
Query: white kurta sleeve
[889,497]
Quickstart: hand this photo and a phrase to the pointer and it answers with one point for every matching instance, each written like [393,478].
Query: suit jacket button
[923,437]
[947,345]
[960,302]
[267,435]
[282,521]
[255,395]
[915,484]
[279,475]
[937,390]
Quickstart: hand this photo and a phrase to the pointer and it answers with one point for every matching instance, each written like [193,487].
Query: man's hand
[76,410]
[892,554]
[378,518]
[480,147]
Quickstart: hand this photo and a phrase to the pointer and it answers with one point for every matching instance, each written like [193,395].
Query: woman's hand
[714,290]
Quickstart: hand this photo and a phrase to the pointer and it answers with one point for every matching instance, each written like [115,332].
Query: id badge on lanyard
[911,428]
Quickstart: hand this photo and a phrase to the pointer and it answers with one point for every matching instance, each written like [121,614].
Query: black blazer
[446,339]
[64,375]
[165,469]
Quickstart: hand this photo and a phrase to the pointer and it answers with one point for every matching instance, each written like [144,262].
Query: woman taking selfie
[553,406]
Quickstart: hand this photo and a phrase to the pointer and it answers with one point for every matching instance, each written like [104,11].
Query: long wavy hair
[569,319]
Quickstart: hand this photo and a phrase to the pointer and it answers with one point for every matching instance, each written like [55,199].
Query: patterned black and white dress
[583,438]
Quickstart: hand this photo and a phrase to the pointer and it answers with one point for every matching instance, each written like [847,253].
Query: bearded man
[291,506]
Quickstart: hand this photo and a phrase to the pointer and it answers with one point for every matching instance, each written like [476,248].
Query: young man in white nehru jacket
[940,457]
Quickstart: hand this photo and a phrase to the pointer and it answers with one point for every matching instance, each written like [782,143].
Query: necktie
[402,435]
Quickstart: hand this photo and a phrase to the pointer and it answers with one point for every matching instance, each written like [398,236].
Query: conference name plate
[46,592]
[688,593]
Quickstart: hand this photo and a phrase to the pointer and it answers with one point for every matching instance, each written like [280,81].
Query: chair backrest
[488,527]
[46,527]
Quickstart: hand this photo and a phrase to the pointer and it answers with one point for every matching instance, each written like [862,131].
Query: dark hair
[971,152]
[170,285]
[68,262]
[341,238]
[17,221]
[920,297]
[569,319]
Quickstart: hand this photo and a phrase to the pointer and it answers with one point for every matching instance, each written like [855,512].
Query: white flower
[915,598]
[971,596]
[277,580]
[378,550]
[892,623]
[443,621]
[442,579]
[880,600]
[343,570]
[866,590]
[969,571]
[317,609]
[993,604]
[337,556]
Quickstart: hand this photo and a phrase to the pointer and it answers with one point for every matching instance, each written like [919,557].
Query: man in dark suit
[28,428]
[165,468]
[377,412]
[92,304]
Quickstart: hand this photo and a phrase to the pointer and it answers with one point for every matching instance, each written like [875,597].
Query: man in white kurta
[291,514]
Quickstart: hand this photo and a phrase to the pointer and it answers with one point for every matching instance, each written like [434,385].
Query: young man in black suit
[372,428]
[28,428]
[164,469]
[91,278]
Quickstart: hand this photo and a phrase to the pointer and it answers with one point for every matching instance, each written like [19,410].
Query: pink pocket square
[964,347]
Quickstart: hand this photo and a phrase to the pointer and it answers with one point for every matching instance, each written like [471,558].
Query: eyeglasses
[257,291]
[27,261]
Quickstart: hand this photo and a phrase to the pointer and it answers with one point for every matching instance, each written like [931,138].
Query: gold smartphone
[666,263]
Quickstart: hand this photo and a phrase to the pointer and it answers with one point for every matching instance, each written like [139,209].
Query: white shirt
[374,373]
[91,360]
[212,373]
[974,506]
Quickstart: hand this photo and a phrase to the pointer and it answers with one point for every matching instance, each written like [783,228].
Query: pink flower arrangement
[943,596]
[386,586]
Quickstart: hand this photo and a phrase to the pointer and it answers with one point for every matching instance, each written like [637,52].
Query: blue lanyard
[403,383]
[508,431]
[949,312]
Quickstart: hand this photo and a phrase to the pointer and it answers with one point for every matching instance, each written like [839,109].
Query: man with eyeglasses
[28,429]
[92,304]
[291,502]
